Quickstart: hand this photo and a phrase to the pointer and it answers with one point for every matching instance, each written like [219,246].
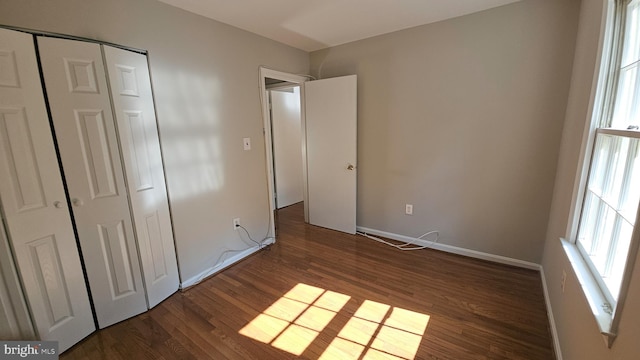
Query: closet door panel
[34,203]
[136,122]
[76,84]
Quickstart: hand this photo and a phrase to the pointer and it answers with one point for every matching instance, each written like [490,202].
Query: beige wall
[205,77]
[577,330]
[463,119]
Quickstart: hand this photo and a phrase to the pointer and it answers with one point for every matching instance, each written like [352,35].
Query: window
[607,236]
[610,206]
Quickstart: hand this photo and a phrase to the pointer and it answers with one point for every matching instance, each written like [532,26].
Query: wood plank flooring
[318,293]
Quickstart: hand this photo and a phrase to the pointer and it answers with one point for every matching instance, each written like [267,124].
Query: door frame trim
[264,73]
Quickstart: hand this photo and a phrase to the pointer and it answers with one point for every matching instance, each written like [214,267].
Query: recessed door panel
[155,247]
[116,255]
[127,80]
[81,75]
[94,145]
[137,128]
[19,153]
[48,270]
[8,69]
[34,203]
[81,110]
[138,142]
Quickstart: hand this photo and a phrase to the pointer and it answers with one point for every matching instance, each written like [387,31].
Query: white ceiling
[313,25]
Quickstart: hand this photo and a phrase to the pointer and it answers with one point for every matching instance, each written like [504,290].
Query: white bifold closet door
[34,203]
[113,169]
[78,95]
[136,122]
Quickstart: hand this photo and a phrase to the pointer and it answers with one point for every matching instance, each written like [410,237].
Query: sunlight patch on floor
[379,331]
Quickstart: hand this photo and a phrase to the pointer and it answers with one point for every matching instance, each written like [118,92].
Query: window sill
[592,292]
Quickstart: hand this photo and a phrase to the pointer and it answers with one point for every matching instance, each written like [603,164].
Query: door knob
[350,167]
[77,202]
[57,204]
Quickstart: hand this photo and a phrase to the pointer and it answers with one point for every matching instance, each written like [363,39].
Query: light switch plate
[247,143]
[408,209]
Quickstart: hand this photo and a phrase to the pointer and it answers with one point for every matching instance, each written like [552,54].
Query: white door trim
[268,136]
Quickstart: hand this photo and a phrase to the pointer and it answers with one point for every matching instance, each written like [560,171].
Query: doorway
[328,145]
[271,80]
[286,131]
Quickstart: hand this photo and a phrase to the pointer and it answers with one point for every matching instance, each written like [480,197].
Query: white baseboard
[483,256]
[222,265]
[552,321]
[453,249]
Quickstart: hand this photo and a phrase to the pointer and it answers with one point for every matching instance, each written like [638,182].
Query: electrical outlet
[408,209]
[236,223]
[563,280]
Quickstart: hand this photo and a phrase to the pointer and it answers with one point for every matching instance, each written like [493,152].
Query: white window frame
[607,315]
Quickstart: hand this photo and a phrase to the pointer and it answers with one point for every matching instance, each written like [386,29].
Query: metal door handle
[57,204]
[77,202]
[350,167]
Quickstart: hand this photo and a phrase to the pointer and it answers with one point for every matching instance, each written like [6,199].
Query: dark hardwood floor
[318,293]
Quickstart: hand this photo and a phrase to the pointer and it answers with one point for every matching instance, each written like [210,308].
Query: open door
[329,147]
[331,134]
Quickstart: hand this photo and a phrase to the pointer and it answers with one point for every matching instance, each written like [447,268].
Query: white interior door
[76,85]
[331,130]
[137,127]
[287,145]
[33,200]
